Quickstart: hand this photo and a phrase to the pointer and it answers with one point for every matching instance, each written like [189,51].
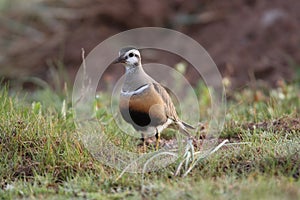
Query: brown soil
[248,39]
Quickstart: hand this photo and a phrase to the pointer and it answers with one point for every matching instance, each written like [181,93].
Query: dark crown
[125,49]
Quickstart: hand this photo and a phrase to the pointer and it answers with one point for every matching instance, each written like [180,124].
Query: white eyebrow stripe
[138,91]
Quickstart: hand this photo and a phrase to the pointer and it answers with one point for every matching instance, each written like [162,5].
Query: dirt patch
[284,124]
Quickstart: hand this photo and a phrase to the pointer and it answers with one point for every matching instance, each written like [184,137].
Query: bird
[144,103]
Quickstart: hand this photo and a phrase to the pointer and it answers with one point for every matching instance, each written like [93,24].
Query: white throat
[130,69]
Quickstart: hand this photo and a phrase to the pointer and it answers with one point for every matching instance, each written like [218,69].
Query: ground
[44,157]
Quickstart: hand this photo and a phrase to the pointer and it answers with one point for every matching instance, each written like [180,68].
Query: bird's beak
[120,59]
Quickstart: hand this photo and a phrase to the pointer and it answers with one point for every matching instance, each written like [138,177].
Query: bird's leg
[157,136]
[144,143]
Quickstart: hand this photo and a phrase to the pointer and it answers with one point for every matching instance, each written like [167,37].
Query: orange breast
[148,103]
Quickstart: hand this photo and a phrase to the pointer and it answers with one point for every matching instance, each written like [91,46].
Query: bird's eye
[131,55]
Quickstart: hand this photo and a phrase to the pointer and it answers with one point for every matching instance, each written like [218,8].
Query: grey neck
[135,77]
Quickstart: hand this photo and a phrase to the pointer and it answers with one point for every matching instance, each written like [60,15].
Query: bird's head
[129,56]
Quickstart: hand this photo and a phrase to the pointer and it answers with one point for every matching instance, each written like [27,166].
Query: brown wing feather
[169,106]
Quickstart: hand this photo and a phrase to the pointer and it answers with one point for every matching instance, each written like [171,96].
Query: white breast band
[138,91]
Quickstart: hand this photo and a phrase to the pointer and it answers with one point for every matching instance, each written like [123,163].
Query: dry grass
[43,157]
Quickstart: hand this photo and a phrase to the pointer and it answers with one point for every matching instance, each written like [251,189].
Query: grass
[42,155]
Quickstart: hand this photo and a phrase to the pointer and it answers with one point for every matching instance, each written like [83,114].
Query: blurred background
[251,41]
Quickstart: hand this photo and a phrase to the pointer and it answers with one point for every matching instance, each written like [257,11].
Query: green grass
[42,155]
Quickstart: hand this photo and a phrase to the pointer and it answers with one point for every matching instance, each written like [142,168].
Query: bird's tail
[188,125]
[184,128]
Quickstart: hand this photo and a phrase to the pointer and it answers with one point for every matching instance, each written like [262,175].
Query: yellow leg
[157,135]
